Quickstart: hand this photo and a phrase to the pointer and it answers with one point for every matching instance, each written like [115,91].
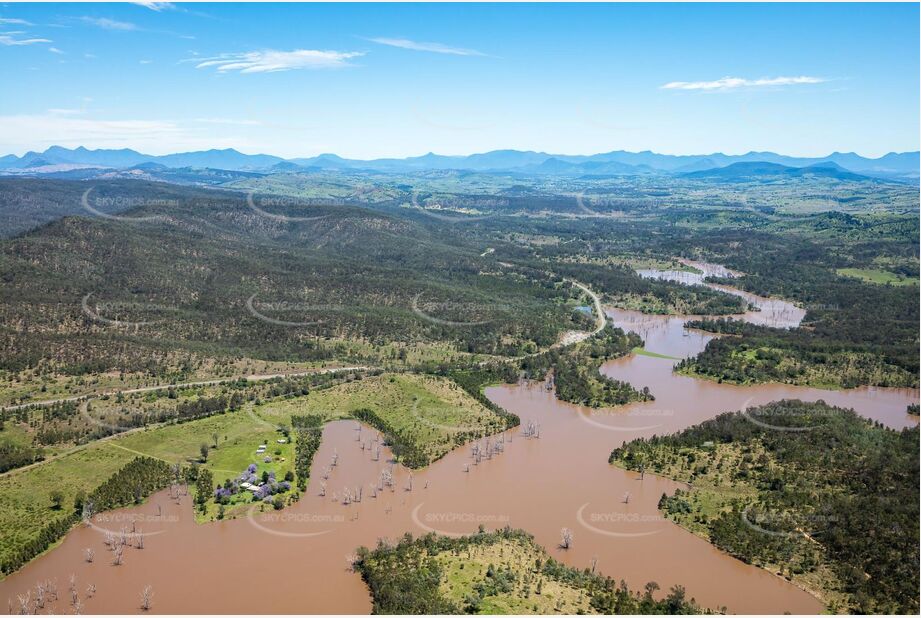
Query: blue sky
[399,80]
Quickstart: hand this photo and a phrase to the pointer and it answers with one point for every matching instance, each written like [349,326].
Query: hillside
[202,273]
[760,170]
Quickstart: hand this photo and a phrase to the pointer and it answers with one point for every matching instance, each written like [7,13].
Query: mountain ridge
[893,164]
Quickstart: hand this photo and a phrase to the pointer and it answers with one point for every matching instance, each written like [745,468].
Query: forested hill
[189,275]
[819,494]
[28,203]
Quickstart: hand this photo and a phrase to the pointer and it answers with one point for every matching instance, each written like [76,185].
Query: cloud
[12,38]
[230,121]
[270,61]
[13,20]
[437,48]
[55,50]
[109,24]
[729,83]
[70,128]
[154,6]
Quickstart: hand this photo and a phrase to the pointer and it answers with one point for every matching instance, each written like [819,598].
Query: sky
[380,80]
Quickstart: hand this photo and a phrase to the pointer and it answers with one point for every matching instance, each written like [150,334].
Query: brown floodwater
[296,560]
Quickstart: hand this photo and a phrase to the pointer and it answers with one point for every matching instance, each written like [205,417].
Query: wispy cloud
[730,83]
[270,61]
[437,48]
[109,24]
[230,121]
[13,38]
[13,20]
[154,6]
[55,50]
[60,111]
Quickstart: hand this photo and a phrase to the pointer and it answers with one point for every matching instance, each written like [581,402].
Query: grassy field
[645,352]
[25,497]
[499,572]
[424,410]
[527,592]
[880,277]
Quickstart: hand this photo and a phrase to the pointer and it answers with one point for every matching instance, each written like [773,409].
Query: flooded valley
[296,560]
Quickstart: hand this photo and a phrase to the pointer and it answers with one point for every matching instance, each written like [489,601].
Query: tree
[57,499]
[566,538]
[204,452]
[146,597]
[79,501]
[204,485]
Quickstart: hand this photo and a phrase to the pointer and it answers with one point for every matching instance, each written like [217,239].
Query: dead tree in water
[531,430]
[350,560]
[52,587]
[335,461]
[566,538]
[594,563]
[377,454]
[25,603]
[89,554]
[322,488]
[146,597]
[117,558]
[409,482]
[74,597]
[90,591]
[40,595]
[387,477]
[627,498]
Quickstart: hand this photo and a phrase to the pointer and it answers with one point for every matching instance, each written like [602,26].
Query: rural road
[147,389]
[122,434]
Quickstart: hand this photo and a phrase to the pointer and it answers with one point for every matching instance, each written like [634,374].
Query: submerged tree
[146,597]
[566,538]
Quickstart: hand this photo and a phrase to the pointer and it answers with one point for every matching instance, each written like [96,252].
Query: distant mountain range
[751,170]
[60,161]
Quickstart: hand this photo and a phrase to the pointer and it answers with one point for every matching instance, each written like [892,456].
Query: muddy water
[773,312]
[295,560]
